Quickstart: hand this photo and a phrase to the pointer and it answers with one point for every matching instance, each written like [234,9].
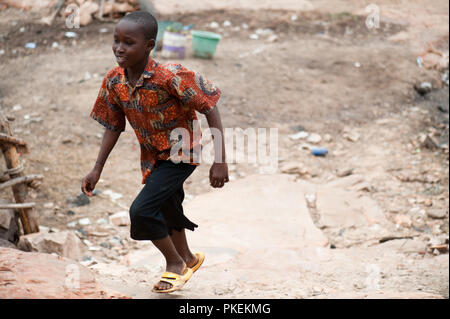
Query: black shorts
[157,210]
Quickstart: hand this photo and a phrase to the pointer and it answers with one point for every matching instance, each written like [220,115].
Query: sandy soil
[326,73]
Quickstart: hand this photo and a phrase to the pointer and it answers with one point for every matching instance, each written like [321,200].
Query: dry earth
[326,73]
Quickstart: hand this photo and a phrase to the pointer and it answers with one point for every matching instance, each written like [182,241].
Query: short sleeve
[192,89]
[107,110]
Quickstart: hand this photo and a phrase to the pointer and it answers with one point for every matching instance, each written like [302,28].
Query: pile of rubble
[84,11]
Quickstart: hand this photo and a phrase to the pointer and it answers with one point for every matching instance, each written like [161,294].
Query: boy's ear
[151,45]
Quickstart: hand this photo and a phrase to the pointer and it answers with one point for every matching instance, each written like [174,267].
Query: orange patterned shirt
[165,98]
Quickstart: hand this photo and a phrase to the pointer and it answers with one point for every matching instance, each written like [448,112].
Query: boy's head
[134,38]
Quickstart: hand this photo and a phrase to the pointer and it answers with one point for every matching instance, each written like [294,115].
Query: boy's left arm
[218,174]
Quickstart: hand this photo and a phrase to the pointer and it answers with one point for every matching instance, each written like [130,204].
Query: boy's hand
[89,182]
[218,175]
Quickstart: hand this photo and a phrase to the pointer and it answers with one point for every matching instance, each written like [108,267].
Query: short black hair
[146,20]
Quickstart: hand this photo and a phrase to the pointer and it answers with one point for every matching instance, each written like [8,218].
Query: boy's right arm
[90,180]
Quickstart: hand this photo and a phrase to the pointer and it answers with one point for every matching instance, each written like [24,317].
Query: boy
[157,100]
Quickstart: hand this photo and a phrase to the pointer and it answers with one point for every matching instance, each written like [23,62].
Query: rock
[36,276]
[81,200]
[423,88]
[443,108]
[328,138]
[86,11]
[7,244]
[351,134]
[298,135]
[403,220]
[9,225]
[310,200]
[314,138]
[429,141]
[293,168]
[437,213]
[64,243]
[120,219]
[342,172]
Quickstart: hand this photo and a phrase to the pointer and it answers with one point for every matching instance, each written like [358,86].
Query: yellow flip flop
[177,281]
[201,258]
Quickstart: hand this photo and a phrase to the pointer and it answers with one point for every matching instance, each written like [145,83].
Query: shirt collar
[149,71]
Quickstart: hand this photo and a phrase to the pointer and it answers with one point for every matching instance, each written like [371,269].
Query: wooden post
[27,215]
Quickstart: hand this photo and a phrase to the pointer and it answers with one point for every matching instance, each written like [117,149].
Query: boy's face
[130,45]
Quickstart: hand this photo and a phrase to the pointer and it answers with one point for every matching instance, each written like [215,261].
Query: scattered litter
[254,36]
[214,25]
[103,30]
[2,52]
[319,151]
[419,61]
[226,23]
[299,135]
[17,107]
[112,195]
[72,224]
[311,200]
[445,77]
[48,205]
[22,29]
[70,35]
[101,221]
[84,221]
[55,45]
[30,45]
[294,17]
[357,64]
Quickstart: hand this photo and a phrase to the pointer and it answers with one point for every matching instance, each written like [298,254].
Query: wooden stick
[17,206]
[11,139]
[100,12]
[49,20]
[18,180]
[28,216]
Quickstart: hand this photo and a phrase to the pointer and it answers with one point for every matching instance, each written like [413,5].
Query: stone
[63,243]
[314,138]
[429,142]
[403,220]
[351,134]
[9,225]
[342,172]
[339,208]
[437,213]
[120,219]
[263,200]
[293,168]
[299,135]
[6,243]
[32,275]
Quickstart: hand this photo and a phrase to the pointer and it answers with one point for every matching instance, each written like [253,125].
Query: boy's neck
[134,73]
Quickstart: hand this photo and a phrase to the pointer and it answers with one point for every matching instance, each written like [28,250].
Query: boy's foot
[191,260]
[178,268]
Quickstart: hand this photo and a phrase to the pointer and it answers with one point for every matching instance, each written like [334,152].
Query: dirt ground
[326,73]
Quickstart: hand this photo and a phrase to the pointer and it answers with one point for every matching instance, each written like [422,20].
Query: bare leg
[180,242]
[174,262]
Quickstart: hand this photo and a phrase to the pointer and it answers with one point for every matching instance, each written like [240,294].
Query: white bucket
[174,45]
